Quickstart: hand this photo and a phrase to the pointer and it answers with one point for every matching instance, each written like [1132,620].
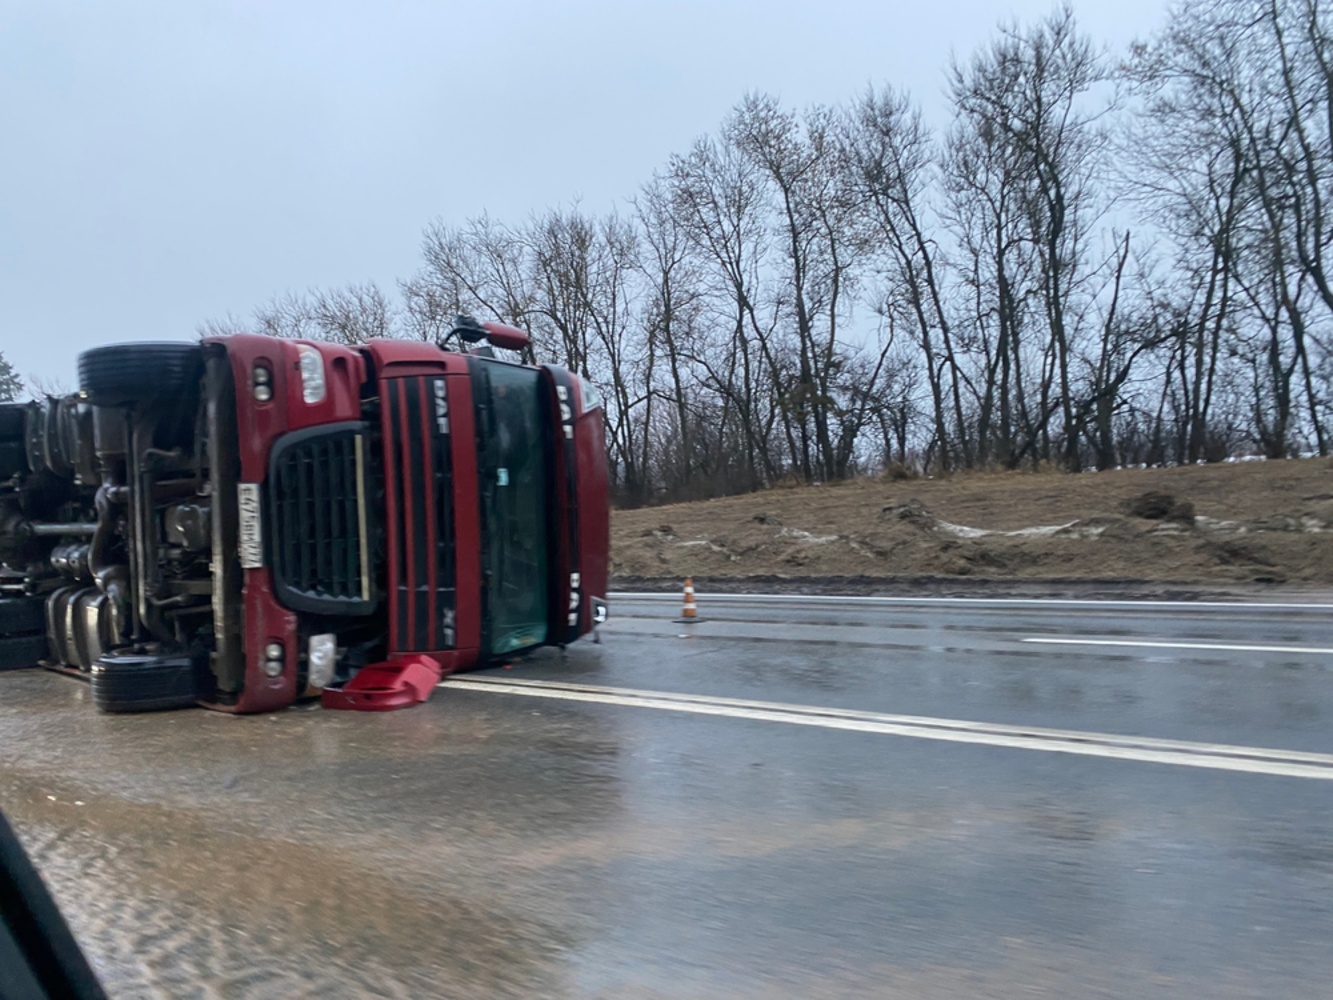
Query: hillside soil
[1236,527]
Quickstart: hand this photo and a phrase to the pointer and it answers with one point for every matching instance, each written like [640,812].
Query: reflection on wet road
[493,843]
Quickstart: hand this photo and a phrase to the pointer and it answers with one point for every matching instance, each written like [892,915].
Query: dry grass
[1269,522]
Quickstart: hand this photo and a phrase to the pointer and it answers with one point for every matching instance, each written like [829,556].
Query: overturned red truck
[249,521]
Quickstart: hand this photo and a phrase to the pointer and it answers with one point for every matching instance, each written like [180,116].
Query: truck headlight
[273,660]
[322,658]
[311,364]
[261,383]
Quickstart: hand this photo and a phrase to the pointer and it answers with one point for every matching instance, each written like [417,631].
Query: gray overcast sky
[167,162]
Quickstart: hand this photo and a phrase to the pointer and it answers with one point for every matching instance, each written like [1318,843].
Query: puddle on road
[301,855]
[471,849]
[173,904]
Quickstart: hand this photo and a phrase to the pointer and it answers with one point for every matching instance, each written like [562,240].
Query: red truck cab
[288,519]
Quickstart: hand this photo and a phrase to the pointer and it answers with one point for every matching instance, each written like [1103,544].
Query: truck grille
[317,533]
[420,519]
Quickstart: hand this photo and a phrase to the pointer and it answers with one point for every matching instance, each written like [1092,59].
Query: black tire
[125,374]
[139,682]
[22,614]
[18,652]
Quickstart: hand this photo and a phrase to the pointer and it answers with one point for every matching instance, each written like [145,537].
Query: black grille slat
[320,500]
[315,521]
[303,551]
[286,513]
[353,555]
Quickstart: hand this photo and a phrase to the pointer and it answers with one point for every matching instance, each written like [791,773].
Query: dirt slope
[1234,524]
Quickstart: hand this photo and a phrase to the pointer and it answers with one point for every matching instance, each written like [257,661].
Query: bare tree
[985,184]
[823,236]
[673,305]
[430,309]
[482,269]
[891,154]
[1023,165]
[1187,164]
[1239,156]
[586,274]
[717,195]
[1296,204]
[352,314]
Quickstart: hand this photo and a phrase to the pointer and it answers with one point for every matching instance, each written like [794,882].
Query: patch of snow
[962,531]
[1305,524]
[1043,530]
[1037,531]
[1075,530]
[805,537]
[1169,528]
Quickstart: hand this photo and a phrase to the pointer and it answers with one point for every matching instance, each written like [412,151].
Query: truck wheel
[124,374]
[142,682]
[20,651]
[21,614]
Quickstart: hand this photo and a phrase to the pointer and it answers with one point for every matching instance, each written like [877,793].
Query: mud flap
[382,687]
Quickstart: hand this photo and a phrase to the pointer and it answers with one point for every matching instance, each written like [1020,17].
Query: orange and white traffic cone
[689,614]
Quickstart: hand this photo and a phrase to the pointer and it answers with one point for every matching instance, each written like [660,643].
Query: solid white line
[1152,644]
[1076,735]
[1145,605]
[1254,760]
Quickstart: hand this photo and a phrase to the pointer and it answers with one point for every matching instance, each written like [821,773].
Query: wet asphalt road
[949,810]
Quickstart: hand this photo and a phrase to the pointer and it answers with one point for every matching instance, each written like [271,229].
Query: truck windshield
[511,466]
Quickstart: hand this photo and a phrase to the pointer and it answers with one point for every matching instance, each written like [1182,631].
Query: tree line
[1100,260]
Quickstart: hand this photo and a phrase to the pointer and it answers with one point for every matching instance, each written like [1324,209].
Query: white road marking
[1155,644]
[1181,753]
[1145,605]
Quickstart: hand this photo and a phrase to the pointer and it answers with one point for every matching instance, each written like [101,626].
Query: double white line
[1181,753]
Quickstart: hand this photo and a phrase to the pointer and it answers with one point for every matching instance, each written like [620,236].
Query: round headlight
[263,393]
[273,651]
[272,667]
